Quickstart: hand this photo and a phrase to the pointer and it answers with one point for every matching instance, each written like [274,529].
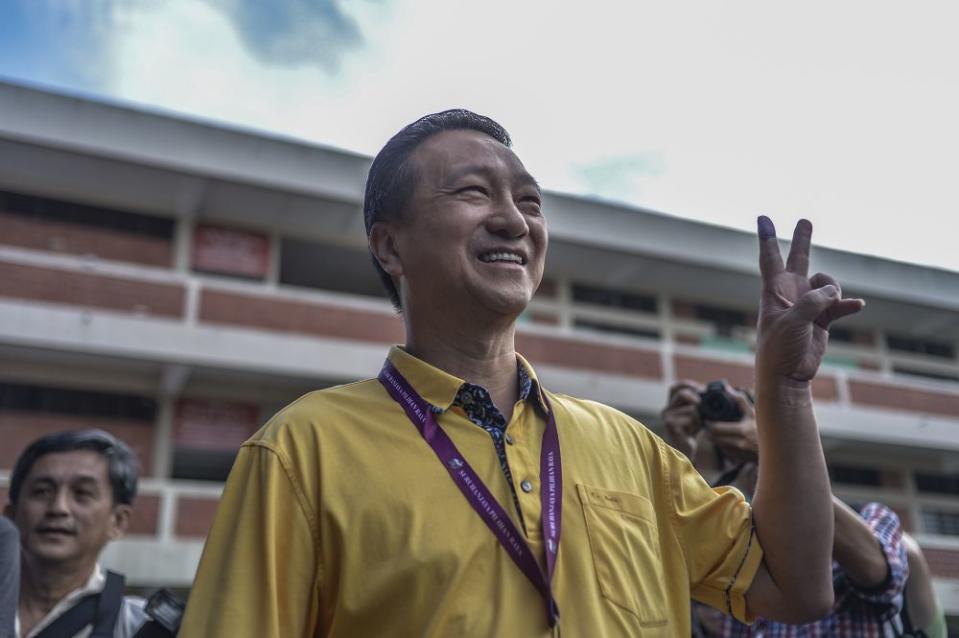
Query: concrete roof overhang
[122,157]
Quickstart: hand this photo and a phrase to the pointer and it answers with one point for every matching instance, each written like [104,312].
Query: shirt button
[526,486]
[509,439]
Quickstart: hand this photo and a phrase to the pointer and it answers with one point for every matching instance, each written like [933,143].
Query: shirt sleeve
[886,599]
[131,618]
[9,576]
[715,528]
[259,574]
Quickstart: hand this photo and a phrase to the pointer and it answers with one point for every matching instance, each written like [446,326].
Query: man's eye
[474,188]
[532,200]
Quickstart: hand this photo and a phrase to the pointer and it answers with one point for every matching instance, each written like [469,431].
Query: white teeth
[510,257]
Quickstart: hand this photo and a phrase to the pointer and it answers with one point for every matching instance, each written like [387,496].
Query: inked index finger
[770,259]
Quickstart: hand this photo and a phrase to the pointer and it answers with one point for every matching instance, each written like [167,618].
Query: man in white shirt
[70,494]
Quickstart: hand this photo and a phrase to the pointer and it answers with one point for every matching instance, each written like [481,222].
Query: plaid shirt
[856,614]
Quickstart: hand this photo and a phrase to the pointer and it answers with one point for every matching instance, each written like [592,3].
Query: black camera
[165,611]
[716,404]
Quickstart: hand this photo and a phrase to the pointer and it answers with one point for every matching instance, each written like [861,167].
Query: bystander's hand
[681,418]
[737,440]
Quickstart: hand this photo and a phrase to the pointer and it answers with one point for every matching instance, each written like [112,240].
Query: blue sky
[840,112]
[38,45]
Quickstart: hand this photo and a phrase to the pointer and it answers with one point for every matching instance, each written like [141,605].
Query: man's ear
[383,245]
[121,520]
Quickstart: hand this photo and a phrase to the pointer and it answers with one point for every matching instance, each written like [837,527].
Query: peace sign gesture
[795,310]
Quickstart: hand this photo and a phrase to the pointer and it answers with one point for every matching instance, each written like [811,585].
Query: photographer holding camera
[71,493]
[715,427]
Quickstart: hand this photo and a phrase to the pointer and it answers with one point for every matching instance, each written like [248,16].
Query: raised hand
[795,310]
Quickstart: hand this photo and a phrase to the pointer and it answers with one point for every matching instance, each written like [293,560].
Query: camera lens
[715,404]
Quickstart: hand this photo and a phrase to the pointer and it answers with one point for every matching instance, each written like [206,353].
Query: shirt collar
[536,391]
[93,585]
[439,388]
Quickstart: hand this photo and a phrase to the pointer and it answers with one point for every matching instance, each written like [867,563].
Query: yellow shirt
[339,520]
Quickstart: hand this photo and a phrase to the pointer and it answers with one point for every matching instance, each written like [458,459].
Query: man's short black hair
[123,466]
[391,179]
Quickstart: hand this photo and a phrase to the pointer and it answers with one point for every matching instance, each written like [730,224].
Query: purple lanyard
[479,496]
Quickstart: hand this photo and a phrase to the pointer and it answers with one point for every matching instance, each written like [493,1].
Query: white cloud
[843,112]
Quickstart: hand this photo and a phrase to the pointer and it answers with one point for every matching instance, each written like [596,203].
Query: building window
[202,465]
[850,337]
[44,208]
[612,298]
[32,398]
[726,321]
[925,374]
[928,347]
[851,475]
[840,335]
[610,328]
[328,267]
[937,483]
[940,522]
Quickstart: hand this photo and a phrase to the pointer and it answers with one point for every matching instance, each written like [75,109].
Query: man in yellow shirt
[455,496]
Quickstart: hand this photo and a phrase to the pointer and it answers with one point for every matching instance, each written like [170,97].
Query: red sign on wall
[203,424]
[230,251]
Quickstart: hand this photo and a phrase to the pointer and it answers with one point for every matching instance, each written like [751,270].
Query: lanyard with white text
[479,496]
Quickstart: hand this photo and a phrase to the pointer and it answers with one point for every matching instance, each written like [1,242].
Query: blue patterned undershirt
[477,404]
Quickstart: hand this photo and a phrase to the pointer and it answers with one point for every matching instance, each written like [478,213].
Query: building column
[564,303]
[172,380]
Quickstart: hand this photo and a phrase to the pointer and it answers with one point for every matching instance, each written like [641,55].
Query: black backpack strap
[108,607]
[153,629]
[74,619]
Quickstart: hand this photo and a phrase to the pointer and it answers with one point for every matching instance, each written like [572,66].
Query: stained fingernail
[766,228]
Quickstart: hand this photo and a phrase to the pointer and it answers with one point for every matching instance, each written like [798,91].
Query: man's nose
[59,505]
[508,220]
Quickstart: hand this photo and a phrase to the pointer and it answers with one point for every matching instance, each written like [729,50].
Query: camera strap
[478,495]
[76,618]
[153,629]
[100,610]
[730,475]
[108,606]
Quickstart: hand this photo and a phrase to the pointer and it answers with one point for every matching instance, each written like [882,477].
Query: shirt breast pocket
[624,542]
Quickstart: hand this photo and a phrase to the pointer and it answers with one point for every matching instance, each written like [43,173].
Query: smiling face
[473,239]
[65,510]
